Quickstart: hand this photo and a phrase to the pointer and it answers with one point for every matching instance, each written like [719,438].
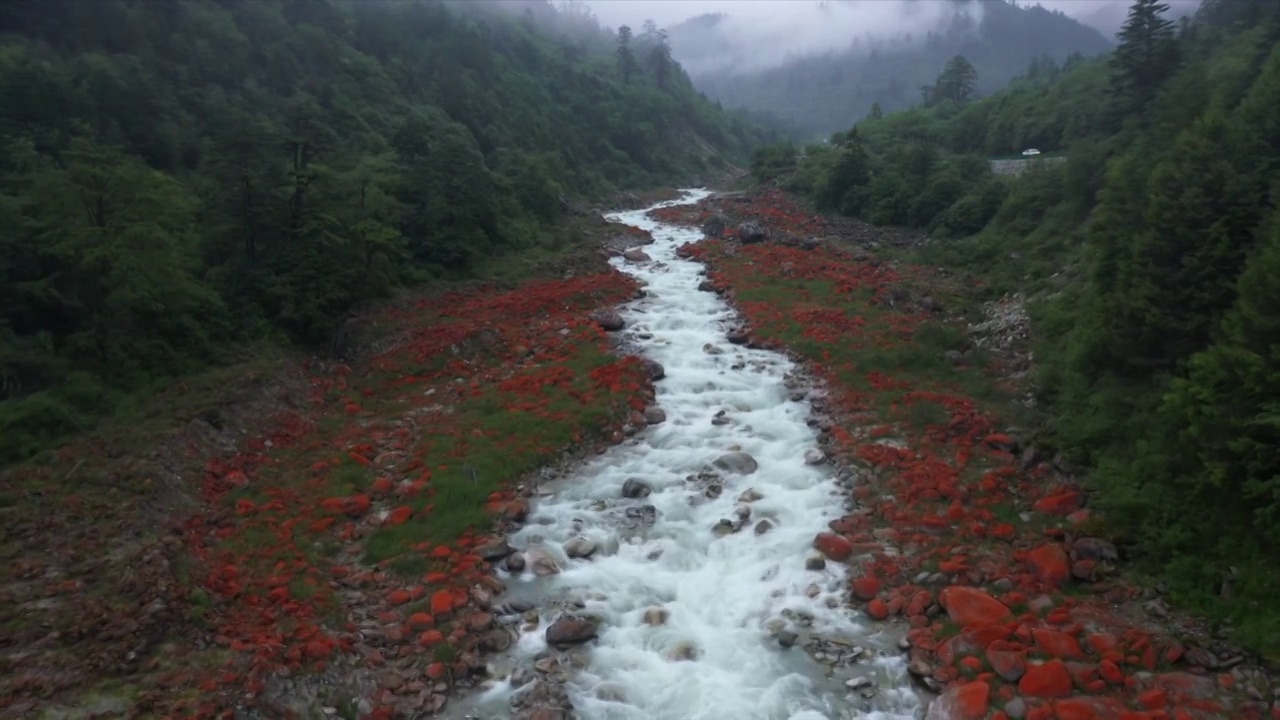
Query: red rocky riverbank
[961,530]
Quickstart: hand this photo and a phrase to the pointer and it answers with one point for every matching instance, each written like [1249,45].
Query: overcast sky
[613,13]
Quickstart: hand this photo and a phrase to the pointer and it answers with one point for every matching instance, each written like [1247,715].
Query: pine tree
[957,81]
[626,58]
[1146,57]
[660,58]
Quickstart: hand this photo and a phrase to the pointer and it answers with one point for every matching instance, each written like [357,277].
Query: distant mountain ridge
[862,58]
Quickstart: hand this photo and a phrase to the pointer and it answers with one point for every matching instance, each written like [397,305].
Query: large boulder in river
[653,368]
[737,462]
[608,320]
[637,256]
[750,232]
[635,488]
[571,631]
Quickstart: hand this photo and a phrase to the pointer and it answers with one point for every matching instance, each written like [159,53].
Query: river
[693,619]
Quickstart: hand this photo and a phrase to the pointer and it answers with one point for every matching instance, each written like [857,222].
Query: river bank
[965,532]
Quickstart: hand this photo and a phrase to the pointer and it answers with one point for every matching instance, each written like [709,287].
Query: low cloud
[756,34]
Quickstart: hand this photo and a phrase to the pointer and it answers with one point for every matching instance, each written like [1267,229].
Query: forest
[814,94]
[180,181]
[1149,257]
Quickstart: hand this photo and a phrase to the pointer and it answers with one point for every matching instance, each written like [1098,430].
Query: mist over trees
[178,179]
[817,86]
[1150,252]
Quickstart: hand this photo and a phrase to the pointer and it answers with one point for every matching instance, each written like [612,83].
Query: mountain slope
[1149,255]
[866,61]
[180,177]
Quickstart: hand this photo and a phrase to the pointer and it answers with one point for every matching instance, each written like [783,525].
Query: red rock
[420,621]
[437,670]
[1111,672]
[835,547]
[971,606]
[1061,503]
[962,702]
[1046,680]
[1008,664]
[516,510]
[399,516]
[1101,643]
[1084,570]
[1050,564]
[981,637]
[1087,708]
[1153,699]
[430,637]
[398,597]
[1057,644]
[441,602]
[877,610]
[381,486]
[866,588]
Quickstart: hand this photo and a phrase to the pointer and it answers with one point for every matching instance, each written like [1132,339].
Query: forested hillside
[180,178]
[1151,254]
[817,93]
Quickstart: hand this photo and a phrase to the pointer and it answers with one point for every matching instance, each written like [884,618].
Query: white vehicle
[1031,151]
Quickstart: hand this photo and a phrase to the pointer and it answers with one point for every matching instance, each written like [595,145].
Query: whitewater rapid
[726,595]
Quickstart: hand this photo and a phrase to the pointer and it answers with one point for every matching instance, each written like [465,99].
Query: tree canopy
[1146,236]
[180,178]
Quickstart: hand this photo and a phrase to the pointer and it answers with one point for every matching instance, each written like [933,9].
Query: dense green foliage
[1152,253]
[179,177]
[817,93]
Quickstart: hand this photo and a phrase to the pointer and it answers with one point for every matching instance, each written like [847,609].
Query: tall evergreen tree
[957,81]
[1146,56]
[626,55]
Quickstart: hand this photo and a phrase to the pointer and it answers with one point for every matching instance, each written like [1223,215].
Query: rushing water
[726,595]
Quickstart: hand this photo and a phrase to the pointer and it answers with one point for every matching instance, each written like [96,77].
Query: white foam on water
[719,591]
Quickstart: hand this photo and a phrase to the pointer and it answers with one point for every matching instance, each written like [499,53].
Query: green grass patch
[487,445]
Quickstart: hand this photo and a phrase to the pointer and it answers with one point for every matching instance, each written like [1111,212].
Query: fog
[665,13]
[762,33]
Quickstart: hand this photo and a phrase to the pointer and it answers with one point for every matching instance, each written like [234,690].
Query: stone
[788,638]
[654,415]
[635,488]
[683,651]
[750,233]
[736,462]
[637,256]
[834,547]
[715,226]
[1049,564]
[514,563]
[571,631]
[653,369]
[1016,709]
[1094,549]
[814,456]
[580,547]
[494,550]
[877,610]
[541,563]
[609,320]
[1061,503]
[749,495]
[763,527]
[962,702]
[516,510]
[1048,679]
[655,616]
[815,563]
[1010,665]
[866,588]
[972,606]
